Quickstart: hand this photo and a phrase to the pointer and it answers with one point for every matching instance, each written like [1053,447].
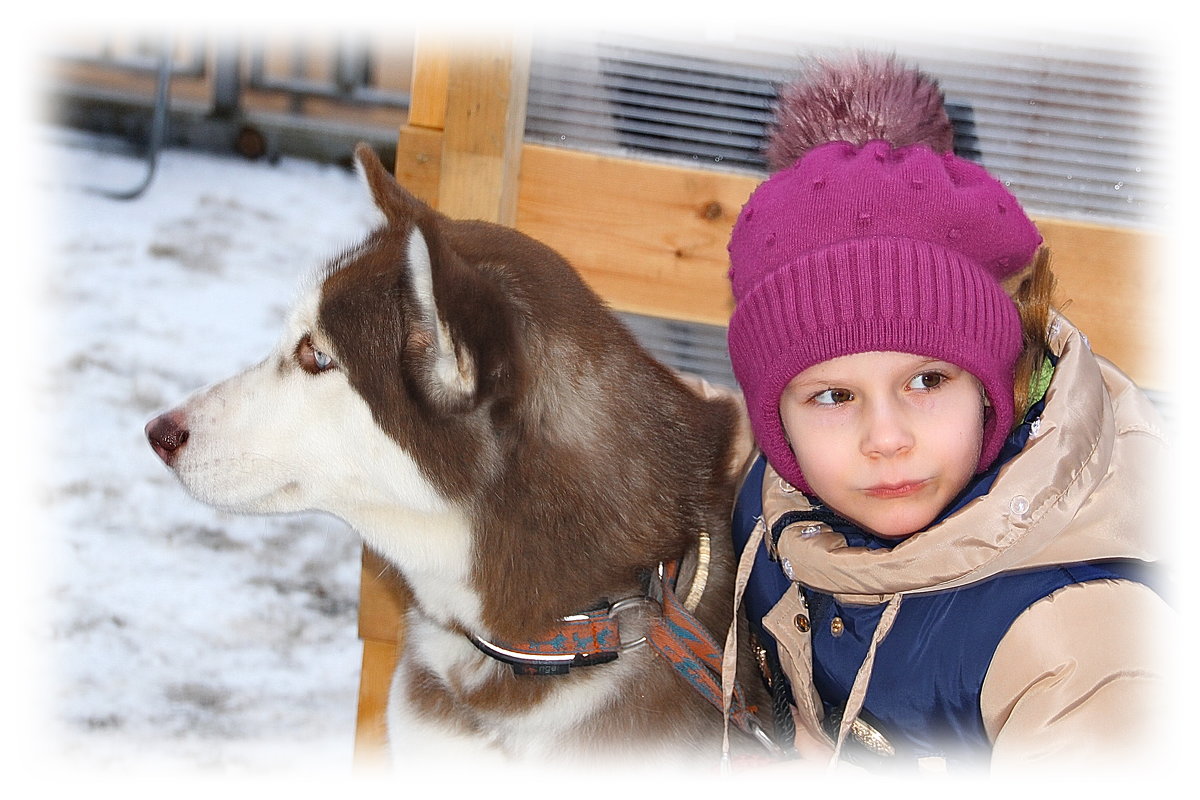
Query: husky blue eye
[311,359]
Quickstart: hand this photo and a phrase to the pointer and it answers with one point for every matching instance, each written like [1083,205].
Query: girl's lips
[889,491]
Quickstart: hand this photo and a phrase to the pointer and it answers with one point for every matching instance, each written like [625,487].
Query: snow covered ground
[175,635]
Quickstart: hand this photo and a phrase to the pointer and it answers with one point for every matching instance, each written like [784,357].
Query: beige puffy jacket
[1078,676]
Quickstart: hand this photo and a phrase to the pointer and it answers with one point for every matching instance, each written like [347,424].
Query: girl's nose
[886,430]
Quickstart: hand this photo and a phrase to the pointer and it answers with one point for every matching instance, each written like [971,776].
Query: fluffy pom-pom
[857,101]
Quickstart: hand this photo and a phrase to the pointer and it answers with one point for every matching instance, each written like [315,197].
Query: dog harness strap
[680,638]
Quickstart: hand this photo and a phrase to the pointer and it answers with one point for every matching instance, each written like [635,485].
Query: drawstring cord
[858,691]
[730,654]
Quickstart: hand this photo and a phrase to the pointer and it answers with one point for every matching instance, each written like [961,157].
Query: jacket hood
[1084,488]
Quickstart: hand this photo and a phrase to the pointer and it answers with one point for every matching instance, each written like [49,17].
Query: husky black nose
[167,434]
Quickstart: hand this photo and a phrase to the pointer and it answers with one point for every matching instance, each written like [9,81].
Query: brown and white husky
[457,394]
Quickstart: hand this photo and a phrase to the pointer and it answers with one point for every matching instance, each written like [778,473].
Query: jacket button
[1019,506]
[836,626]
[801,623]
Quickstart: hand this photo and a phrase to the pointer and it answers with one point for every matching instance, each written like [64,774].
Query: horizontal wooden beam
[651,239]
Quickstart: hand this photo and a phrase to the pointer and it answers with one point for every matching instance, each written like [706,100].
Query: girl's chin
[895,526]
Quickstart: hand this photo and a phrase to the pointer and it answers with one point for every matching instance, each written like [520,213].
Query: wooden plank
[419,162]
[430,73]
[383,598]
[1109,286]
[484,125]
[370,735]
[649,238]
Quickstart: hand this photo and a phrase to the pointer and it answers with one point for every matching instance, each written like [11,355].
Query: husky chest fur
[457,394]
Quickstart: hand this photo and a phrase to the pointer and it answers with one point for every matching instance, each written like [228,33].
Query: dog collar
[594,637]
[580,640]
[672,631]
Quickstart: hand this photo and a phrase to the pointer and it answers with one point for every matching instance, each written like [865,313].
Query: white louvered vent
[1067,127]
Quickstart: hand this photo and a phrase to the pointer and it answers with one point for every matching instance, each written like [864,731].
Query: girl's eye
[927,380]
[833,397]
[311,359]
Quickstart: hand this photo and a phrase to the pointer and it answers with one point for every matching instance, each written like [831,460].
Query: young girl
[956,493]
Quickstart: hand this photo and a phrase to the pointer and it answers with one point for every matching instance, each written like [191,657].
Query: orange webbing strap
[680,638]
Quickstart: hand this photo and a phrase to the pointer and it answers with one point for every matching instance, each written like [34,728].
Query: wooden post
[431,68]
[461,149]
[486,89]
[382,601]
[461,152]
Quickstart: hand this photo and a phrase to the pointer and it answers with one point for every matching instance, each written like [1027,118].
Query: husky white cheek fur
[557,501]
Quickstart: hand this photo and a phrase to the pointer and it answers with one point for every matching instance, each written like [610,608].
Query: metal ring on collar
[626,604]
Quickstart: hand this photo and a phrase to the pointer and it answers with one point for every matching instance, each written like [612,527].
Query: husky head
[447,369]
[364,353]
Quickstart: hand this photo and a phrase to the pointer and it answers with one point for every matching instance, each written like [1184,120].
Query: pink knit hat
[874,242]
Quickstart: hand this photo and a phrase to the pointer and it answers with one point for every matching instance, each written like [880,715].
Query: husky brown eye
[311,359]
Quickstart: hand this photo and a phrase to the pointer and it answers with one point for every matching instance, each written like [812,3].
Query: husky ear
[396,203]
[451,380]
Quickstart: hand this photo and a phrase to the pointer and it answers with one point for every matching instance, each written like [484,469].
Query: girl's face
[886,439]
